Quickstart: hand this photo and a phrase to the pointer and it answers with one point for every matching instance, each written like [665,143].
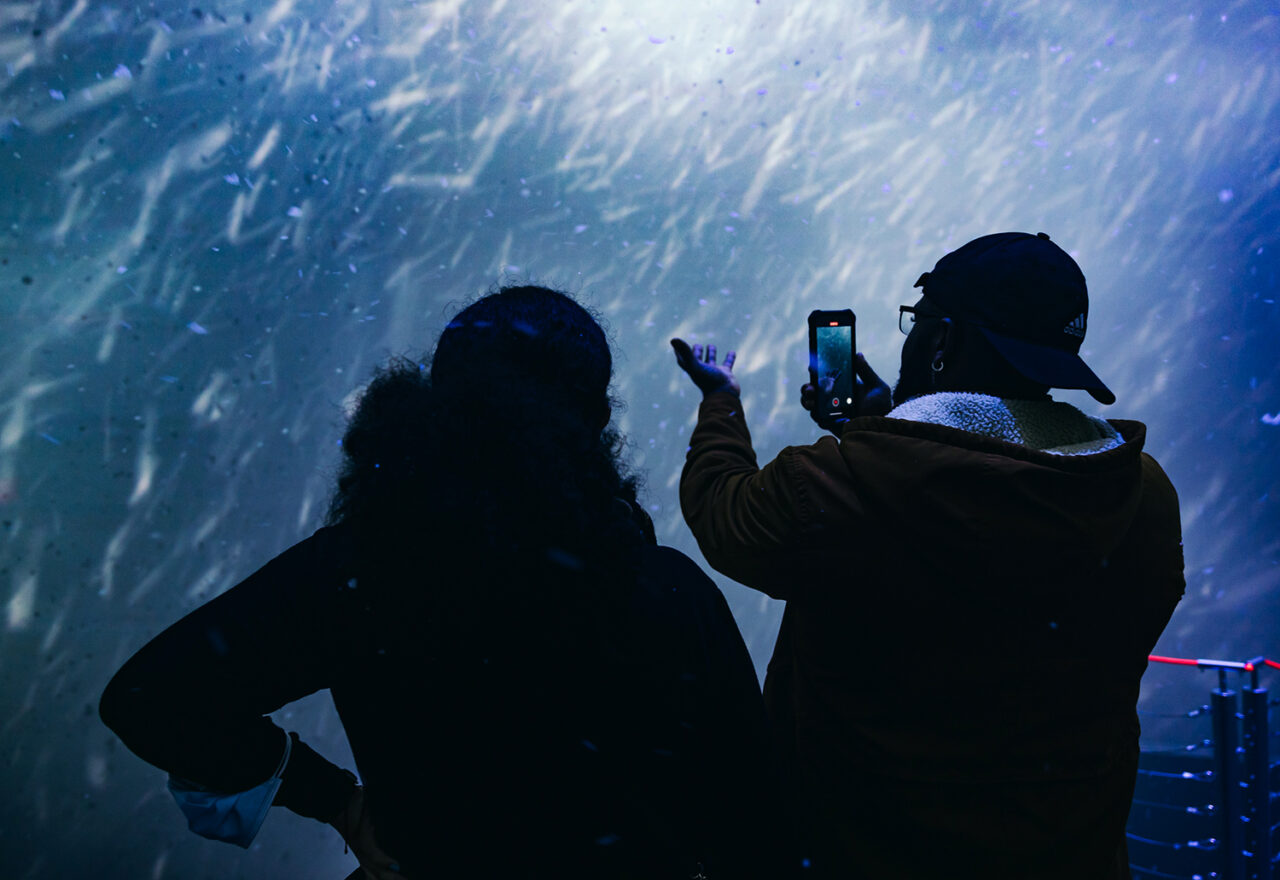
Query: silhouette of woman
[531,687]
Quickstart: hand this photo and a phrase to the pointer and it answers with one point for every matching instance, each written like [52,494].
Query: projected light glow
[217,219]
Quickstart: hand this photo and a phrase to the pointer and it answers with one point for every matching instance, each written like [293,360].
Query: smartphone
[831,347]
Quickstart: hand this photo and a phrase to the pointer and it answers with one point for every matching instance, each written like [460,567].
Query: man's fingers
[695,360]
[865,373]
[808,394]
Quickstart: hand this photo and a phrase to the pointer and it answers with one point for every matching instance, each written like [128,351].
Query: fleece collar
[1045,425]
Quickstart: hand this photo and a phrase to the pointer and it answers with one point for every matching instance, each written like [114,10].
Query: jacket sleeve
[1158,565]
[194,700]
[752,524]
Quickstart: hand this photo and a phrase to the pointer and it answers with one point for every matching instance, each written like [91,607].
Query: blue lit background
[215,218]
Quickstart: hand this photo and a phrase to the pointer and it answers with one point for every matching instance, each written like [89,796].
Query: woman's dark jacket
[636,747]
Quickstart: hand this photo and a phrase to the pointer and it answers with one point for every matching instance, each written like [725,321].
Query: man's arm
[760,525]
[750,522]
[754,524]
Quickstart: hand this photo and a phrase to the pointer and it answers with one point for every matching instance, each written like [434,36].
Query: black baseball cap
[1029,299]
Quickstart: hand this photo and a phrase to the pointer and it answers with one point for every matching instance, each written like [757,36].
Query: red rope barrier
[1247,666]
[1175,661]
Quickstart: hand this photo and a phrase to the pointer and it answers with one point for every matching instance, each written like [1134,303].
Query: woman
[531,687]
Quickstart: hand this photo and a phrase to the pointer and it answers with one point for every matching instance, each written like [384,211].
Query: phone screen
[835,368]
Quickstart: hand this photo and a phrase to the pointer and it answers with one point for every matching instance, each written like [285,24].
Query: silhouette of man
[974,576]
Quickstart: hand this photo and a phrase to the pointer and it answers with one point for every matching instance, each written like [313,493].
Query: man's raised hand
[703,370]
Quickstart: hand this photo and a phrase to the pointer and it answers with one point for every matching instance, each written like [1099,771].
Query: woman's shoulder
[663,564]
[670,580]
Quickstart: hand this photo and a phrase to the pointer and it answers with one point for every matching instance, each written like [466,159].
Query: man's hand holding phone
[872,394]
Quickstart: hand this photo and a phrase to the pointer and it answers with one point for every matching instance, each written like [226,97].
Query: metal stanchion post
[1227,768]
[1257,767]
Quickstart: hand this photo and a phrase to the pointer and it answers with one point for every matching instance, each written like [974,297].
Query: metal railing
[1208,810]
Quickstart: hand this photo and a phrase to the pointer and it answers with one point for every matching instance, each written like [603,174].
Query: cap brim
[1050,366]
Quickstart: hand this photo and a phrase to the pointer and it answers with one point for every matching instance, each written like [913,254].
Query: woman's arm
[193,701]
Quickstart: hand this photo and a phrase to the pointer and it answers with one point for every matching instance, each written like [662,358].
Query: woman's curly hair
[488,480]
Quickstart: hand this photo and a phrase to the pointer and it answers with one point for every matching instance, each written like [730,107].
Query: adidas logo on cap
[1076,327]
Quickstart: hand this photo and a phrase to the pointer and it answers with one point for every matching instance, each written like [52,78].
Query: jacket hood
[1037,424]
[1001,485]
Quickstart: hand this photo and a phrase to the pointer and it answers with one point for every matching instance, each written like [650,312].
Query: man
[973,578]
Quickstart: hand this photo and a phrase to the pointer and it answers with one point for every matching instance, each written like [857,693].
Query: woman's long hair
[484,493]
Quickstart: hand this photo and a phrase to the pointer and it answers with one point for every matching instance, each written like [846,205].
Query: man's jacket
[966,625]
